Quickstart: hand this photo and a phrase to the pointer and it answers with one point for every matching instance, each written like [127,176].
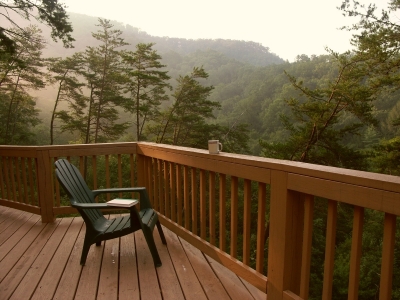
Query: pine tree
[49,12]
[96,116]
[65,74]
[147,85]
[20,73]
[184,123]
[322,117]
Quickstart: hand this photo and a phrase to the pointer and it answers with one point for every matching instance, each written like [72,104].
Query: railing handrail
[348,176]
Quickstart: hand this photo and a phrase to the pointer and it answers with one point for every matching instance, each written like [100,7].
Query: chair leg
[85,251]
[161,232]
[148,234]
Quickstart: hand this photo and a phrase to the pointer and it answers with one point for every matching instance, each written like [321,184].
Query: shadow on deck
[41,261]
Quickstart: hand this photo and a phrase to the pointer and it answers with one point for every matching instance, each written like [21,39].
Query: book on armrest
[122,202]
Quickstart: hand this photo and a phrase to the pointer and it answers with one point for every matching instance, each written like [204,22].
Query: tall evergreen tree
[20,73]
[65,74]
[147,85]
[96,116]
[323,117]
[376,41]
[49,12]
[184,123]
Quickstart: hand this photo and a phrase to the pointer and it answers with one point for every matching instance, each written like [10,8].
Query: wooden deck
[41,261]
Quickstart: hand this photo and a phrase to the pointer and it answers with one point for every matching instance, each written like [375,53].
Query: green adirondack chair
[98,228]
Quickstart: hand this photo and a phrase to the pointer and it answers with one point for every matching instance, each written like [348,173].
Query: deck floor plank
[148,281]
[191,287]
[68,285]
[28,284]
[108,282]
[7,219]
[5,214]
[210,282]
[19,268]
[170,285]
[232,283]
[51,278]
[18,221]
[16,238]
[128,276]
[42,261]
[89,279]
[19,246]
[255,292]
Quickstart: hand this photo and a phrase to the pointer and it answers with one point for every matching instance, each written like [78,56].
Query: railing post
[141,174]
[285,239]
[45,186]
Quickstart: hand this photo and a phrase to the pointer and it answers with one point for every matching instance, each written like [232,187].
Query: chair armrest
[118,190]
[144,198]
[90,205]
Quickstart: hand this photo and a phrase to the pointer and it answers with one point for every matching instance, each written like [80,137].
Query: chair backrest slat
[76,188]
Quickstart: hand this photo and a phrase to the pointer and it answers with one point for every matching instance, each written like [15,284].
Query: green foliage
[20,115]
[385,157]
[49,12]
[147,84]
[184,122]
[20,72]
[318,123]
[65,73]
[94,117]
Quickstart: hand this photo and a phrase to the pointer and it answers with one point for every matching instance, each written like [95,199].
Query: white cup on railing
[214,146]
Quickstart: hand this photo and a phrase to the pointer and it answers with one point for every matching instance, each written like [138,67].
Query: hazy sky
[288,27]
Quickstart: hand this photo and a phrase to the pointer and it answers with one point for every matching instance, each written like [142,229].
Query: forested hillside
[120,84]
[255,95]
[244,51]
[254,92]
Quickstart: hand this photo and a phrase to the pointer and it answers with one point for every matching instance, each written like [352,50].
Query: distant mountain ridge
[242,51]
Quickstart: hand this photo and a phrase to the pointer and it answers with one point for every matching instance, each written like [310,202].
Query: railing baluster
[57,188]
[222,212]
[234,215]
[6,176]
[24,179]
[18,176]
[12,178]
[151,181]
[307,246]
[246,222]
[160,177]
[212,201]
[330,244]
[108,185]
[31,181]
[389,233]
[261,227]
[2,184]
[94,170]
[119,173]
[172,189]
[154,179]
[203,206]
[186,193]
[356,247]
[166,187]
[194,200]
[132,170]
[179,189]
[82,166]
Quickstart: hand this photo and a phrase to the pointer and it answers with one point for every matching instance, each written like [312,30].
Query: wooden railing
[27,180]
[223,204]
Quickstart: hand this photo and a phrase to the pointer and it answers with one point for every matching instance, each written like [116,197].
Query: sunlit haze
[287,28]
